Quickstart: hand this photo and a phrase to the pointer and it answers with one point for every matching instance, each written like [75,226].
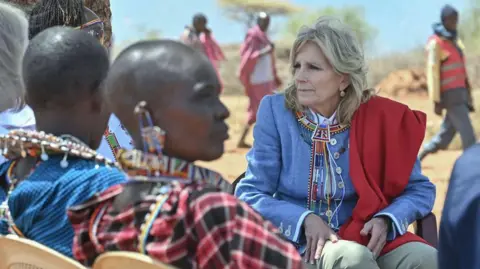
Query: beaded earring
[153,137]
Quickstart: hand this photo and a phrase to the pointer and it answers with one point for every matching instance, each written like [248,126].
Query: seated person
[57,167]
[171,209]
[334,166]
[14,34]
[460,226]
[73,13]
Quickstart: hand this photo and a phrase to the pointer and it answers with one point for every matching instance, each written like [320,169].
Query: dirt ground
[437,167]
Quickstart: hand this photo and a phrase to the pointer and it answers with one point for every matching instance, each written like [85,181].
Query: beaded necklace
[320,176]
[153,166]
[22,143]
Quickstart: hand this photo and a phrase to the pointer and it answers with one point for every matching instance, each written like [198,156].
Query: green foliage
[245,11]
[354,16]
[470,26]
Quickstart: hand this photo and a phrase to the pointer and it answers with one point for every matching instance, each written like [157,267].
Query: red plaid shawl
[195,228]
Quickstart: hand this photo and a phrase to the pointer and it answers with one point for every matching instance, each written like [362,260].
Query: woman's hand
[378,229]
[317,233]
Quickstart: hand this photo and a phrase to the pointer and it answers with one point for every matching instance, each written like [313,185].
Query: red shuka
[385,138]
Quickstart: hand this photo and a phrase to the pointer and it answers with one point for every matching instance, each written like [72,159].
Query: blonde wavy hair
[343,51]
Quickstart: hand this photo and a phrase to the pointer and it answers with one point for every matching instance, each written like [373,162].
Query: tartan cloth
[196,227]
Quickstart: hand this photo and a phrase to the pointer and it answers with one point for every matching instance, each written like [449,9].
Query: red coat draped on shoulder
[385,138]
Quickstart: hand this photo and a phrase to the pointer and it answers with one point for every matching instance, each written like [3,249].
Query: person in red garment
[257,71]
[171,209]
[201,38]
[334,166]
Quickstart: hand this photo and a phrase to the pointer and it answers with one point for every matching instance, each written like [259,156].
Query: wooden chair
[127,260]
[426,228]
[20,253]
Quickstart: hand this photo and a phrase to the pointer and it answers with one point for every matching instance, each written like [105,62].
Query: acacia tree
[470,26]
[245,12]
[100,7]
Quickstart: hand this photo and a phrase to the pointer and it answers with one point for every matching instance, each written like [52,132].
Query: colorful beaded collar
[152,167]
[311,126]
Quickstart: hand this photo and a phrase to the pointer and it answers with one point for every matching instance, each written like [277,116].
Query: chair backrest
[127,260]
[21,253]
[235,182]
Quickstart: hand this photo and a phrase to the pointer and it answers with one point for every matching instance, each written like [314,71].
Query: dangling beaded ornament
[43,156]
[153,137]
[152,165]
[64,162]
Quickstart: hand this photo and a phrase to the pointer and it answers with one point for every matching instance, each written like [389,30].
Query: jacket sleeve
[262,177]
[433,71]
[415,203]
[459,238]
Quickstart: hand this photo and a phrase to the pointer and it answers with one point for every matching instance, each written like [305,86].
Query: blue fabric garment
[440,30]
[276,180]
[459,243]
[38,204]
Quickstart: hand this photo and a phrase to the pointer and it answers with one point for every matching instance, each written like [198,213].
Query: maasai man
[200,37]
[48,13]
[257,72]
[14,35]
[56,168]
[171,209]
[448,84]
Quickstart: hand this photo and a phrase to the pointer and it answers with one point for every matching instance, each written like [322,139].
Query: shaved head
[63,66]
[151,66]
[63,71]
[263,20]
[179,86]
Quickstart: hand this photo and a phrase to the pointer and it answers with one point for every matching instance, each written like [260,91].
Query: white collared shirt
[321,120]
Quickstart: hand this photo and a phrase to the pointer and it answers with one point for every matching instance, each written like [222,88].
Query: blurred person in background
[200,37]
[448,84]
[257,71]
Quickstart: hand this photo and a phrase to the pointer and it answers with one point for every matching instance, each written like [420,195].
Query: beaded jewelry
[321,175]
[153,166]
[22,143]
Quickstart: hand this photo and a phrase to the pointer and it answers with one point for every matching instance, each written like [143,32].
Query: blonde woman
[13,43]
[334,166]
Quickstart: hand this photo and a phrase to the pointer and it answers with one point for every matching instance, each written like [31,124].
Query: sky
[401,25]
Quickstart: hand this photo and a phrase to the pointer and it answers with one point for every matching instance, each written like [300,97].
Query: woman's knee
[346,254]
[414,255]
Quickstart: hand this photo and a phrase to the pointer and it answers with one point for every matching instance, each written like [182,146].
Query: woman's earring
[342,93]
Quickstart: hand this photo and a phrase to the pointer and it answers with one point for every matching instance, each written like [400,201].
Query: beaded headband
[93,25]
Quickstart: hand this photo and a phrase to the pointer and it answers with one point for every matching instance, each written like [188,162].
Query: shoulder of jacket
[432,43]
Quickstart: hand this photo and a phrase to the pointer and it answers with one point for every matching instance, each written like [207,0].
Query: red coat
[385,138]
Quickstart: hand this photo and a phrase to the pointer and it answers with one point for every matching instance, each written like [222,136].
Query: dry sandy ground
[437,167]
